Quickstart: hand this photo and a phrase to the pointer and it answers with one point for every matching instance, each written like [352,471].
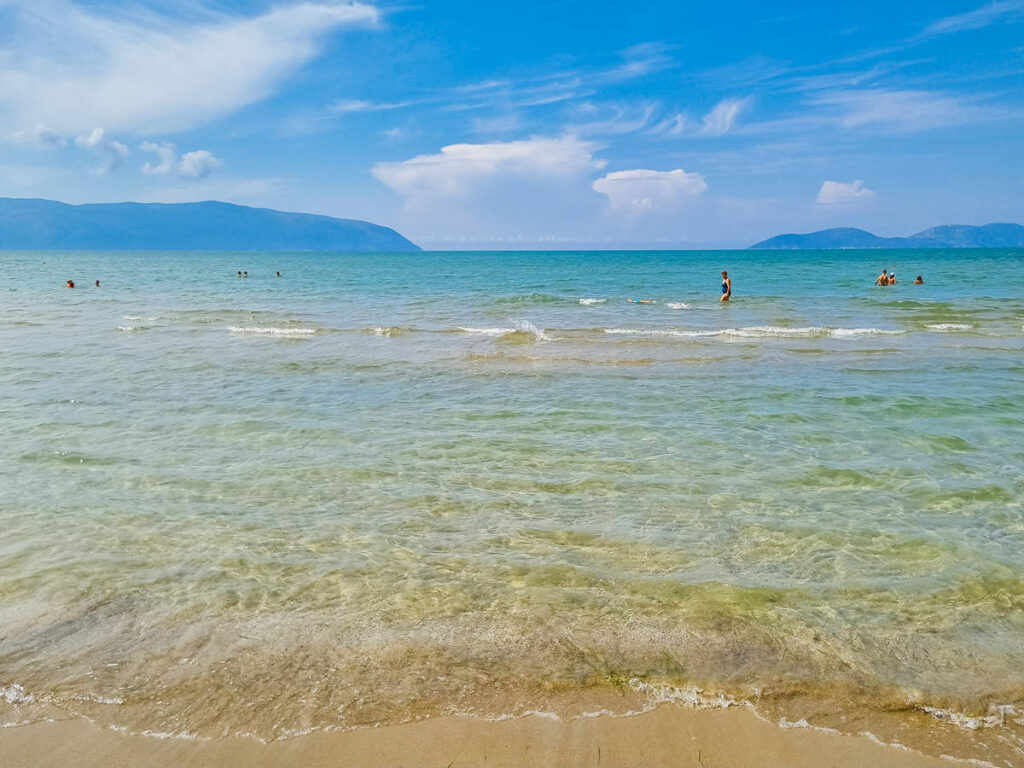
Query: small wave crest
[678,305]
[270,331]
[755,331]
[691,697]
[949,327]
[590,302]
[997,715]
[521,330]
[487,331]
[390,330]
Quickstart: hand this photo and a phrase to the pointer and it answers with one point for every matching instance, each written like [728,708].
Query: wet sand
[668,736]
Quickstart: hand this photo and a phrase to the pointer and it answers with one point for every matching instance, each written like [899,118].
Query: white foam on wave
[677,305]
[660,332]
[949,327]
[802,723]
[15,694]
[590,302]
[755,332]
[261,331]
[519,326]
[691,697]
[997,715]
[487,331]
[525,326]
[185,735]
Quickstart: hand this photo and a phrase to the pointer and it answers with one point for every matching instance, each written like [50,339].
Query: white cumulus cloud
[111,153]
[168,155]
[193,165]
[138,72]
[40,136]
[197,164]
[644,190]
[843,193]
[458,168]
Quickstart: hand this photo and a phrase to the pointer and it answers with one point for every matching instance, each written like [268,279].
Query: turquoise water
[382,487]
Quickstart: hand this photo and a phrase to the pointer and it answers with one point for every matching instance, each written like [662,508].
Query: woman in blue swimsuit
[726,286]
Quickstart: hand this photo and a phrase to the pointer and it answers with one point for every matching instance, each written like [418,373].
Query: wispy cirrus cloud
[133,71]
[901,110]
[722,117]
[999,12]
[510,94]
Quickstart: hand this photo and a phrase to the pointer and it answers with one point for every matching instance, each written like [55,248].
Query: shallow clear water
[382,487]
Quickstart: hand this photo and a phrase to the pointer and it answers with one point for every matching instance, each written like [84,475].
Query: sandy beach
[668,736]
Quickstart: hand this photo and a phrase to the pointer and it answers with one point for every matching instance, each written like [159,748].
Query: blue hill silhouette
[30,224]
[949,236]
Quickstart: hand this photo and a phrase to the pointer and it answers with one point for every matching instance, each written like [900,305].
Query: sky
[526,125]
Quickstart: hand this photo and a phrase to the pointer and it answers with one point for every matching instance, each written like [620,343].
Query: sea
[386,487]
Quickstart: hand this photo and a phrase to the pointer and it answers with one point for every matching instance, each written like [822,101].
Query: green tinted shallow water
[383,487]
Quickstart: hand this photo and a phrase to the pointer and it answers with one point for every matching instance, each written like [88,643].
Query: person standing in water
[919,280]
[882,279]
[892,278]
[726,286]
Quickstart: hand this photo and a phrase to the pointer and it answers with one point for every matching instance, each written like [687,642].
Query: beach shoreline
[666,736]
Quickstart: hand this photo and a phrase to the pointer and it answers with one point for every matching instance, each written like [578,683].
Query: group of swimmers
[241,273]
[889,278]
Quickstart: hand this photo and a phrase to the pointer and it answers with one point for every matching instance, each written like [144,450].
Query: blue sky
[526,125]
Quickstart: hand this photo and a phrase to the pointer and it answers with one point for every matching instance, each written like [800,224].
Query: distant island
[209,226]
[949,236]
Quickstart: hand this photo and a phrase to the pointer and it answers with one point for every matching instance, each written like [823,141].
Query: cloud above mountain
[844,193]
[459,169]
[642,190]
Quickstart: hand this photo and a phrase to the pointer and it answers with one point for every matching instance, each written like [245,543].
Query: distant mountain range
[950,236]
[211,226]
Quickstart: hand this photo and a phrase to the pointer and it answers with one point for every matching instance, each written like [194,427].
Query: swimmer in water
[97,283]
[726,286]
[882,279]
[239,273]
[70,284]
[892,278]
[919,280]
[245,274]
[277,274]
